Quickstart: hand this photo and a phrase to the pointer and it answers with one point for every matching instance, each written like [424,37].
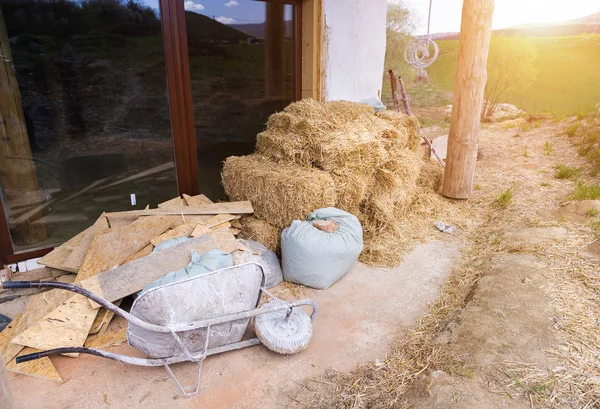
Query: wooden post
[275,50]
[469,84]
[17,176]
[5,395]
[394,90]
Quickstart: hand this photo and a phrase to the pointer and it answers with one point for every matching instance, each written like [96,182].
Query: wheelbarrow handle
[94,297]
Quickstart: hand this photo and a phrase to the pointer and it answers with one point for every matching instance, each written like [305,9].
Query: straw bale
[431,176]
[280,193]
[261,231]
[406,126]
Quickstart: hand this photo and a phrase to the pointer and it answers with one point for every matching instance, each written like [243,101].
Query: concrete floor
[359,318]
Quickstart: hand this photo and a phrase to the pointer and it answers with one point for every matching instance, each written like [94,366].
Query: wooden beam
[17,176]
[207,209]
[132,277]
[469,84]
[275,50]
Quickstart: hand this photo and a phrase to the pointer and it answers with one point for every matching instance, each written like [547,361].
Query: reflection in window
[242,70]
[91,124]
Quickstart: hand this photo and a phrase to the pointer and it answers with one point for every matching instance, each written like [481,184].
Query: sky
[227,11]
[446,14]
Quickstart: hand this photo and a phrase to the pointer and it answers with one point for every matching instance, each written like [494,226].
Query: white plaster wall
[355,48]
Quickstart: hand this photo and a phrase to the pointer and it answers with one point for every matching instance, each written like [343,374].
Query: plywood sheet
[132,277]
[75,259]
[39,368]
[225,240]
[142,253]
[103,319]
[58,257]
[244,207]
[173,203]
[8,350]
[196,200]
[68,325]
[180,231]
[107,340]
[200,230]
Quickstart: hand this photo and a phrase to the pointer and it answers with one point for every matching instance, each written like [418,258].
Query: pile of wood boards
[113,258]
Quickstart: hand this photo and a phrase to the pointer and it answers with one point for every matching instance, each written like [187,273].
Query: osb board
[9,350]
[69,324]
[200,230]
[107,340]
[39,274]
[243,207]
[220,219]
[110,248]
[142,253]
[39,368]
[103,319]
[196,200]
[179,231]
[75,259]
[226,240]
[79,244]
[173,203]
[132,277]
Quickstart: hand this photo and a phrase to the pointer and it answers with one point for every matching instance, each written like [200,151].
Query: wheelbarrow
[188,320]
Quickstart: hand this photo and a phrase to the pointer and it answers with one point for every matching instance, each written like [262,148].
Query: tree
[510,65]
[400,24]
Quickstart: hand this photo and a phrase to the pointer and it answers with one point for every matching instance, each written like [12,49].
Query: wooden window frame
[175,44]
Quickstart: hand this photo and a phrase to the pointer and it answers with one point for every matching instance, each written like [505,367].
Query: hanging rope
[417,51]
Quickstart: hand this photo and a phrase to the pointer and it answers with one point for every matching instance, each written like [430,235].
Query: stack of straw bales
[320,154]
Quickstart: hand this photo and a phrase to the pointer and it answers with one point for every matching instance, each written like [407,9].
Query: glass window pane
[89,124]
[242,70]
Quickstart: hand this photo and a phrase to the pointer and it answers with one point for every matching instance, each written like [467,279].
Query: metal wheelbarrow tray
[200,316]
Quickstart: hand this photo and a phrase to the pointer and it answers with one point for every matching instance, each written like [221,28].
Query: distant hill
[202,27]
[258,29]
[588,24]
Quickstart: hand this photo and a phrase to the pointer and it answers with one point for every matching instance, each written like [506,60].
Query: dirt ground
[514,326]
[359,318]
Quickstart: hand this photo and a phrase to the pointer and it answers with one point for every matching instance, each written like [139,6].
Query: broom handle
[408,112]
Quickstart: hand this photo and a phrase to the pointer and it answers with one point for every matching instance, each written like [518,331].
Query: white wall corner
[355,48]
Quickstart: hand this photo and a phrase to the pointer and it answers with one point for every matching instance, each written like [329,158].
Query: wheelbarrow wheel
[283,331]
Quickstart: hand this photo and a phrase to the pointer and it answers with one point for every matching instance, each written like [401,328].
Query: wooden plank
[196,200]
[132,277]
[39,274]
[8,350]
[103,319]
[176,202]
[57,257]
[111,247]
[180,231]
[68,325]
[142,253]
[39,368]
[236,223]
[75,259]
[215,208]
[225,240]
[200,230]
[107,339]
[234,231]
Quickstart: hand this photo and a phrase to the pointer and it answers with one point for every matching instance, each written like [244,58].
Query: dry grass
[574,289]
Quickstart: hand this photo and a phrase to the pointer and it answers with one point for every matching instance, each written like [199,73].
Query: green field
[568,79]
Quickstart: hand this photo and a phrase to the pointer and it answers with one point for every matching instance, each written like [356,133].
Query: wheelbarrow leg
[198,359]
